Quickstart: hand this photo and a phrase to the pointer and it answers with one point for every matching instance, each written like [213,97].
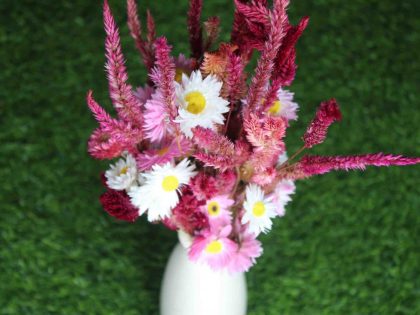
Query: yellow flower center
[196,102]
[178,75]
[170,183]
[213,208]
[215,247]
[275,108]
[259,209]
[124,170]
[162,151]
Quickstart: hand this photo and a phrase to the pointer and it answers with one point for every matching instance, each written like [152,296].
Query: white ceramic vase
[194,289]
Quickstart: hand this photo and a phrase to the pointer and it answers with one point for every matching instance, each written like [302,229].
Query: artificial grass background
[350,243]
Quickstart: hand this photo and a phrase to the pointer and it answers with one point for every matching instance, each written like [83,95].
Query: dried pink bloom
[151,28]
[120,91]
[165,69]
[194,28]
[113,136]
[225,182]
[212,142]
[264,177]
[145,48]
[203,186]
[266,136]
[251,25]
[166,152]
[103,145]
[327,113]
[266,62]
[235,79]
[101,116]
[218,151]
[187,215]
[285,66]
[314,165]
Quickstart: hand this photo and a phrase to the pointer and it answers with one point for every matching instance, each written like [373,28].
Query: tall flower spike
[194,28]
[235,81]
[113,136]
[314,165]
[165,68]
[101,116]
[120,91]
[145,48]
[151,28]
[266,62]
[327,113]
[212,27]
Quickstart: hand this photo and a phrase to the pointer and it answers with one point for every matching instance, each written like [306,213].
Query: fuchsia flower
[213,248]
[249,249]
[204,151]
[218,210]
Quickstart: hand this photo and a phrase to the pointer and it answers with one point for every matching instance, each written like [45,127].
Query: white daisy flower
[284,105]
[122,175]
[199,102]
[258,210]
[158,194]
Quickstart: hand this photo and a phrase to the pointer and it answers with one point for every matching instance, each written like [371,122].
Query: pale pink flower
[281,195]
[156,118]
[167,150]
[248,250]
[218,211]
[284,105]
[215,249]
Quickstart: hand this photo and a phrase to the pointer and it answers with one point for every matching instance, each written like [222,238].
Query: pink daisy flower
[183,65]
[214,249]
[156,118]
[143,94]
[281,195]
[284,106]
[217,210]
[168,150]
[248,250]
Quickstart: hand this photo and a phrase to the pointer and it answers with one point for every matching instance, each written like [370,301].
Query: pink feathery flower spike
[266,62]
[145,48]
[327,113]
[120,91]
[194,28]
[314,165]
[165,68]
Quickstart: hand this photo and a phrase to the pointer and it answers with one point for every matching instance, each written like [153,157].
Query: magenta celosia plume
[201,150]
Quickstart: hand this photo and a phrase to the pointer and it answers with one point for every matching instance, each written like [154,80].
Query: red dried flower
[117,204]
[327,113]
[187,214]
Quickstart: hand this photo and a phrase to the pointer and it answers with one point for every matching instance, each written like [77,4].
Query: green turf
[350,243]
